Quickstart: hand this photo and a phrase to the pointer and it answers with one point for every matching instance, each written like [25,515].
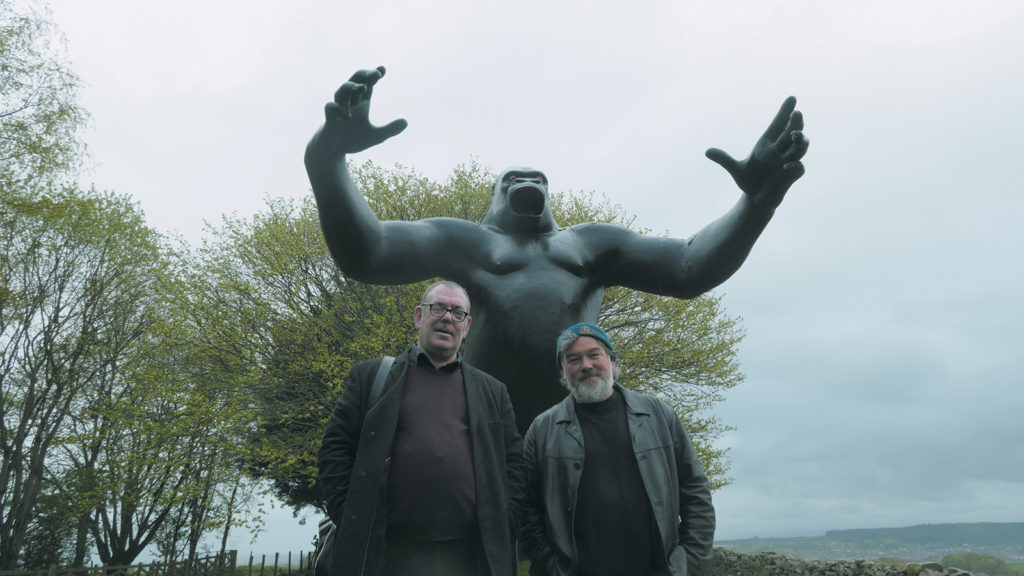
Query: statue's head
[519,202]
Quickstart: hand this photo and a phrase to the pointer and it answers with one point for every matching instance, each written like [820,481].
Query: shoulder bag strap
[378,380]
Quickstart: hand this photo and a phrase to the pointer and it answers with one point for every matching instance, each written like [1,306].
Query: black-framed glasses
[438,311]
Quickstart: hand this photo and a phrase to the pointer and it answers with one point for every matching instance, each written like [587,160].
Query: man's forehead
[585,344]
[447,295]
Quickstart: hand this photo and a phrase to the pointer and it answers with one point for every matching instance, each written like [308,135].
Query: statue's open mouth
[526,200]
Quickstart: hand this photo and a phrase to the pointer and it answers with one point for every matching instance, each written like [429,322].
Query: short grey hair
[450,284]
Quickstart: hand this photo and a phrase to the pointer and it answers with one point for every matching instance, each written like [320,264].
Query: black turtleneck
[614,526]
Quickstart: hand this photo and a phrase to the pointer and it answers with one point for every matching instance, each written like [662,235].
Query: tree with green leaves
[299,323]
[115,428]
[108,404]
[217,494]
[75,273]
[40,117]
[40,278]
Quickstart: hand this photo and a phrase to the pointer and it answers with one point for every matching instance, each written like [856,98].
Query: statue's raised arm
[687,268]
[364,247]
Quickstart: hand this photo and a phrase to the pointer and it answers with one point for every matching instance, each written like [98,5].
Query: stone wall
[730,563]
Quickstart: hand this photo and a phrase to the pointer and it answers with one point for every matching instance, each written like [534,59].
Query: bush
[975,562]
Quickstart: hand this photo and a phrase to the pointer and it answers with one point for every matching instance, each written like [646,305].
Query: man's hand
[347,127]
[774,164]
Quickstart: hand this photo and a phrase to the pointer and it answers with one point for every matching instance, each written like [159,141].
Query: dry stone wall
[730,563]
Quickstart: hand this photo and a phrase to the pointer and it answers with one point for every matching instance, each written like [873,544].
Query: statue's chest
[553,256]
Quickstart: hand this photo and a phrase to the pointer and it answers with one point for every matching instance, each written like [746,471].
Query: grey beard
[590,393]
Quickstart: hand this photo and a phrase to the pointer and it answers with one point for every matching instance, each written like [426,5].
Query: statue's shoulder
[457,227]
[597,234]
[597,228]
[448,222]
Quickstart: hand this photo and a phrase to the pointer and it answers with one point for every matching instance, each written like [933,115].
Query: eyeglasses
[438,311]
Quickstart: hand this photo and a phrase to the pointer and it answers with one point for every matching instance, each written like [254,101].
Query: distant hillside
[926,542]
[990,533]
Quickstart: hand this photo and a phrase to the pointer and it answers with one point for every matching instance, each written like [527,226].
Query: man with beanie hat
[614,486]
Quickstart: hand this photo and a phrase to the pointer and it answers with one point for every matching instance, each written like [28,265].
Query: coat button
[575,465]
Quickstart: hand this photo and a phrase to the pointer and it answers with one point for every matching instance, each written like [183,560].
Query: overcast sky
[883,352]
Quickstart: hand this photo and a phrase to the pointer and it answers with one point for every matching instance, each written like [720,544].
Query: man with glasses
[421,477]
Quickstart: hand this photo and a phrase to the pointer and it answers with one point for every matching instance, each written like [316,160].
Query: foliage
[108,406]
[73,273]
[40,117]
[976,562]
[214,403]
[50,537]
[293,324]
[115,428]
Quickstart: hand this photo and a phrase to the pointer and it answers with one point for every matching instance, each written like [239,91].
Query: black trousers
[411,557]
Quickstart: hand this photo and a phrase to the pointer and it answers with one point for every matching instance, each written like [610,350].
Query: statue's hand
[774,164]
[347,127]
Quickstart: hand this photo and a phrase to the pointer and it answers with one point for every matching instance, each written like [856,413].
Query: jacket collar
[418,355]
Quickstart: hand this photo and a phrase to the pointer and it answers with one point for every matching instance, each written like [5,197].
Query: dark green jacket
[356,452]
[673,477]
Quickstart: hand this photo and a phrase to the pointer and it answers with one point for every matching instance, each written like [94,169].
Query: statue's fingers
[792,171]
[359,86]
[782,118]
[794,146]
[333,111]
[349,93]
[723,159]
[371,80]
[790,142]
[796,120]
[392,128]
[368,76]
